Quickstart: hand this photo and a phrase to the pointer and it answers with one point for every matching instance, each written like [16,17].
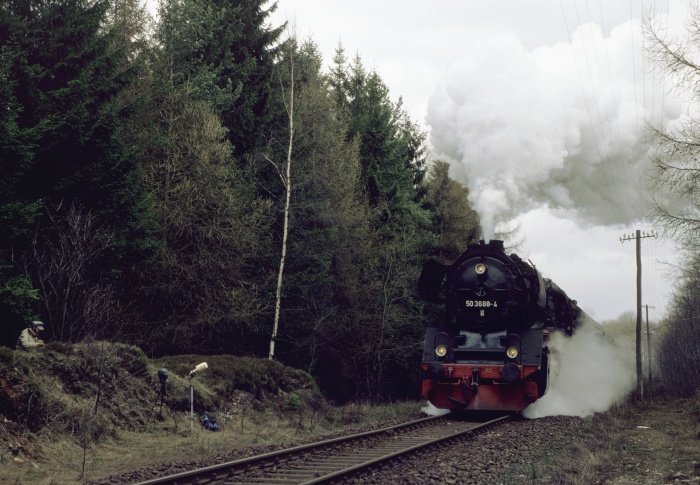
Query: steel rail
[346,472]
[212,473]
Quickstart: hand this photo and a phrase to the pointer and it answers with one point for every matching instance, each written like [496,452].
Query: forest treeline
[142,191]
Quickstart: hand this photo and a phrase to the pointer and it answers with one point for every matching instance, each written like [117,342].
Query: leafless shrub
[679,348]
[675,203]
[76,298]
[99,364]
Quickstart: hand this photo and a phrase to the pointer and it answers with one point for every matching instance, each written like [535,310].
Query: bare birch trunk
[286,180]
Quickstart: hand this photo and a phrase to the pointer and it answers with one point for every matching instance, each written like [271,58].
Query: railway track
[330,461]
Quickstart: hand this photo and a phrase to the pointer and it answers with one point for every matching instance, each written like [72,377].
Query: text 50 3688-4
[480,304]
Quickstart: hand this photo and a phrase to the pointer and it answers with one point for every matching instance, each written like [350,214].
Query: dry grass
[169,441]
[55,436]
[635,443]
[74,413]
[631,444]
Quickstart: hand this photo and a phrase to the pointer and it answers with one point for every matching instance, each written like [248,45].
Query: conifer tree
[328,221]
[66,76]
[384,322]
[253,50]
[225,51]
[454,221]
[62,73]
[16,213]
[204,286]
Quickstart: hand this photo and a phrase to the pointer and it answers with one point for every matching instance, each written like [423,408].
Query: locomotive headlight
[480,268]
[512,352]
[441,351]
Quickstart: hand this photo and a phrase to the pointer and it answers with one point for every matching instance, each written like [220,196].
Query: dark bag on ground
[209,422]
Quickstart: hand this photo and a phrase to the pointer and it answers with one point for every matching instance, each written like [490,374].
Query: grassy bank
[73,413]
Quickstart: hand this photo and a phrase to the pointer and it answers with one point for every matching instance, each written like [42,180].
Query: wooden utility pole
[638,348]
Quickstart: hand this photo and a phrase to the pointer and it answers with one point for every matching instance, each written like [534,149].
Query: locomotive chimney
[496,243]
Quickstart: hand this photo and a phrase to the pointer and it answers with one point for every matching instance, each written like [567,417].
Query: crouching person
[209,422]
[30,337]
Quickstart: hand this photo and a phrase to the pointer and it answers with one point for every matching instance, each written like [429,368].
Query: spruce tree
[66,82]
[454,221]
[329,228]
[62,73]
[384,323]
[253,49]
[225,51]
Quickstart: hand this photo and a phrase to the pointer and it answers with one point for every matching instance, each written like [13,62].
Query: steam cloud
[561,126]
[431,410]
[588,374]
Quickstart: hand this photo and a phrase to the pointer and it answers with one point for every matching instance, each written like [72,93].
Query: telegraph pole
[638,236]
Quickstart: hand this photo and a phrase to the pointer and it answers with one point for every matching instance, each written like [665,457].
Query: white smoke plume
[431,410]
[561,126]
[588,374]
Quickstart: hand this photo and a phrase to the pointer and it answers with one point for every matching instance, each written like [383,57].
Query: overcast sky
[539,107]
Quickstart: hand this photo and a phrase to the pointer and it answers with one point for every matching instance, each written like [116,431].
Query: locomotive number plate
[481,304]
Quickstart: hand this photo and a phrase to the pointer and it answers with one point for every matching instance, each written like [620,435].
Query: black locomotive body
[491,353]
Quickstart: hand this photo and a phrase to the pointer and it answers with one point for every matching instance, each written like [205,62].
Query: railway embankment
[94,414]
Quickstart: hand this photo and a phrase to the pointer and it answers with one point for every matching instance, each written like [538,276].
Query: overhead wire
[625,192]
[617,176]
[634,77]
[647,274]
[607,57]
[585,97]
[649,270]
[656,119]
[590,75]
[649,251]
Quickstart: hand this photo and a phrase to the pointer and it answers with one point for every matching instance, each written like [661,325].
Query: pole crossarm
[638,235]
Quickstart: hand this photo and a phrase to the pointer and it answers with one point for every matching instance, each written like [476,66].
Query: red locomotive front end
[465,387]
[490,372]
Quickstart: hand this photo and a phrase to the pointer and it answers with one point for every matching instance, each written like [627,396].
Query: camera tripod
[162,398]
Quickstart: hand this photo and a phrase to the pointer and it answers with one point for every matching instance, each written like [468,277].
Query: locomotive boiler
[490,353]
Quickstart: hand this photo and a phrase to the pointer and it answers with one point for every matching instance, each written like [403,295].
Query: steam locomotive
[490,353]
